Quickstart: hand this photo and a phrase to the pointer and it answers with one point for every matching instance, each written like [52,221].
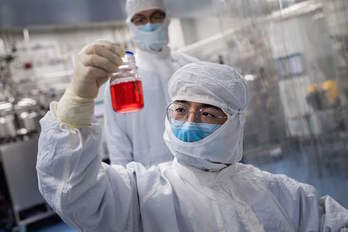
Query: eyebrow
[203,105]
[139,15]
[210,106]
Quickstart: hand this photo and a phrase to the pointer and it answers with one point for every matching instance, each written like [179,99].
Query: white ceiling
[66,12]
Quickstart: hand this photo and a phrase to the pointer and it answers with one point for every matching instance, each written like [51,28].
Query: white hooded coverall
[137,136]
[178,195]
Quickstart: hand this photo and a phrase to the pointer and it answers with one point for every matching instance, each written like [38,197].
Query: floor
[301,164]
[59,227]
[53,224]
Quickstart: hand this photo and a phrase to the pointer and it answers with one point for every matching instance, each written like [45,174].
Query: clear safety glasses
[178,113]
[157,17]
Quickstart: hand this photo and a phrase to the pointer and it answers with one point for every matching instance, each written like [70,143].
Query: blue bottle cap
[129,53]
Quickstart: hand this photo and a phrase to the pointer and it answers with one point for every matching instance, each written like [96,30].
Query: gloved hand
[92,68]
[93,65]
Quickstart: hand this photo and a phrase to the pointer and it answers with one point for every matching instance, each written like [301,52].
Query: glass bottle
[126,87]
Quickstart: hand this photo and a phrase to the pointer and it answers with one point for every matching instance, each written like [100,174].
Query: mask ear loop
[242,118]
[239,114]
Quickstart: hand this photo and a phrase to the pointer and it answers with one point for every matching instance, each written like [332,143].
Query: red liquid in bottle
[127,96]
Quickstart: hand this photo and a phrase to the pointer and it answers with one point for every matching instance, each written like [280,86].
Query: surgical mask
[152,37]
[149,27]
[192,132]
[215,152]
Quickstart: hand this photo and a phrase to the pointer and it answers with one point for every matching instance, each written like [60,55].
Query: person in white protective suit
[138,136]
[204,188]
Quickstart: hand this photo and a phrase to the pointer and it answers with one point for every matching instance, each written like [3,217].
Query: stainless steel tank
[7,121]
[27,114]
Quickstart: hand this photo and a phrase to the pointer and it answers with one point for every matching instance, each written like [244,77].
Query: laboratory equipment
[7,121]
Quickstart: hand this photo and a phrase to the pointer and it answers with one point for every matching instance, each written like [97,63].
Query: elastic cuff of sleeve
[76,112]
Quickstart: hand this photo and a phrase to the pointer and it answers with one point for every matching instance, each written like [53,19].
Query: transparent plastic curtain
[294,54]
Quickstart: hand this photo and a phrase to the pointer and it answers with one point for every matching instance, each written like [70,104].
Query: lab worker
[203,189]
[137,136]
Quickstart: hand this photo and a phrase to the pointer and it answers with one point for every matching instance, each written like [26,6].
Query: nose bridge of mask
[192,132]
[149,27]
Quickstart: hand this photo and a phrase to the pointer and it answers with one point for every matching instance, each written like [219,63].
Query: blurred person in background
[137,136]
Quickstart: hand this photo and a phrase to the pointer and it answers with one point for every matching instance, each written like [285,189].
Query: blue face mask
[192,132]
[149,27]
[150,36]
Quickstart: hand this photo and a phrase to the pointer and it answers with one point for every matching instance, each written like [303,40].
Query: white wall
[336,12]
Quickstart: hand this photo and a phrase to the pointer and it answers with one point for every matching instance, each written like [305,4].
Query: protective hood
[153,41]
[221,86]
[135,6]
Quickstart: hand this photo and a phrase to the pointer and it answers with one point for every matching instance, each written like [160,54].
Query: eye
[139,21]
[208,115]
[180,110]
[212,113]
[158,17]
